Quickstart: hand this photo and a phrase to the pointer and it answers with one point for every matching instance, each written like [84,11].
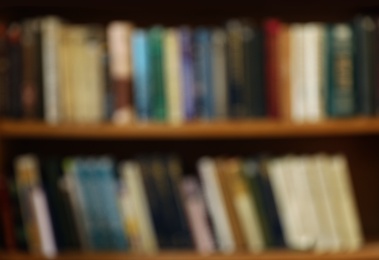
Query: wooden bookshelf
[370,251]
[195,130]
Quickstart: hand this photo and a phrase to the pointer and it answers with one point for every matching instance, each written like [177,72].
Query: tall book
[141,73]
[365,39]
[15,69]
[157,79]
[196,212]
[216,205]
[29,90]
[119,34]
[340,97]
[174,87]
[313,73]
[6,216]
[187,71]
[236,73]
[4,70]
[50,33]
[132,178]
[284,72]
[272,29]
[204,99]
[219,73]
[34,206]
[245,206]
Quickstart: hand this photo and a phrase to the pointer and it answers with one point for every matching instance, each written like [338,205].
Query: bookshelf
[358,138]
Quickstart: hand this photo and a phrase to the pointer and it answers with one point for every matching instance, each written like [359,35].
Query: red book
[6,216]
[272,29]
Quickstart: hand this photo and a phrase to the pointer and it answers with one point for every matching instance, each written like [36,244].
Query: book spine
[15,70]
[341,84]
[157,77]
[4,71]
[6,216]
[173,77]
[272,29]
[141,72]
[216,205]
[236,73]
[188,73]
[51,27]
[119,34]
[197,215]
[219,73]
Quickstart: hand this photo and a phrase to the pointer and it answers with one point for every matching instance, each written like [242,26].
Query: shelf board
[369,251]
[238,129]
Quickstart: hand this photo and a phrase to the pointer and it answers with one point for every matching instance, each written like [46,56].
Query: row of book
[63,72]
[153,203]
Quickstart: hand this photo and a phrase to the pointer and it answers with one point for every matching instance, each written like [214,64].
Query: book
[119,41]
[15,70]
[365,51]
[196,212]
[132,178]
[204,99]
[157,78]
[6,216]
[4,71]
[187,71]
[216,205]
[141,73]
[50,31]
[245,206]
[236,74]
[174,87]
[340,71]
[219,73]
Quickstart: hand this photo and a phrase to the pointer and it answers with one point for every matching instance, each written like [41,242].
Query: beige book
[244,206]
[345,210]
[172,72]
[132,179]
[322,192]
[216,205]
[284,72]
[297,79]
[51,27]
[65,93]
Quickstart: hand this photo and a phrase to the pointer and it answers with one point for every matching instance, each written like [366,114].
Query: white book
[219,74]
[172,67]
[313,64]
[38,197]
[132,179]
[216,204]
[51,29]
[297,77]
[346,213]
[294,227]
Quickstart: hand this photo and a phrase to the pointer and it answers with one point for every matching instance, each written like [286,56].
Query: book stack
[302,72]
[153,203]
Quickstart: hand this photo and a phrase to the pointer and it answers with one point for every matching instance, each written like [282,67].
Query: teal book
[156,78]
[340,71]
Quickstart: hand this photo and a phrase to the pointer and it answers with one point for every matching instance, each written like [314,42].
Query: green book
[156,79]
[340,85]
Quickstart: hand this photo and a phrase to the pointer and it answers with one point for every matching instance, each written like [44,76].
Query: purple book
[188,73]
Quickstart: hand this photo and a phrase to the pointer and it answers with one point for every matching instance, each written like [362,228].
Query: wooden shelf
[194,130]
[370,251]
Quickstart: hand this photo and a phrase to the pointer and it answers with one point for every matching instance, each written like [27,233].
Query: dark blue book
[204,99]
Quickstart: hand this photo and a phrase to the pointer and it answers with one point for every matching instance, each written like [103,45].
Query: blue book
[188,73]
[106,196]
[203,74]
[141,73]
[87,196]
